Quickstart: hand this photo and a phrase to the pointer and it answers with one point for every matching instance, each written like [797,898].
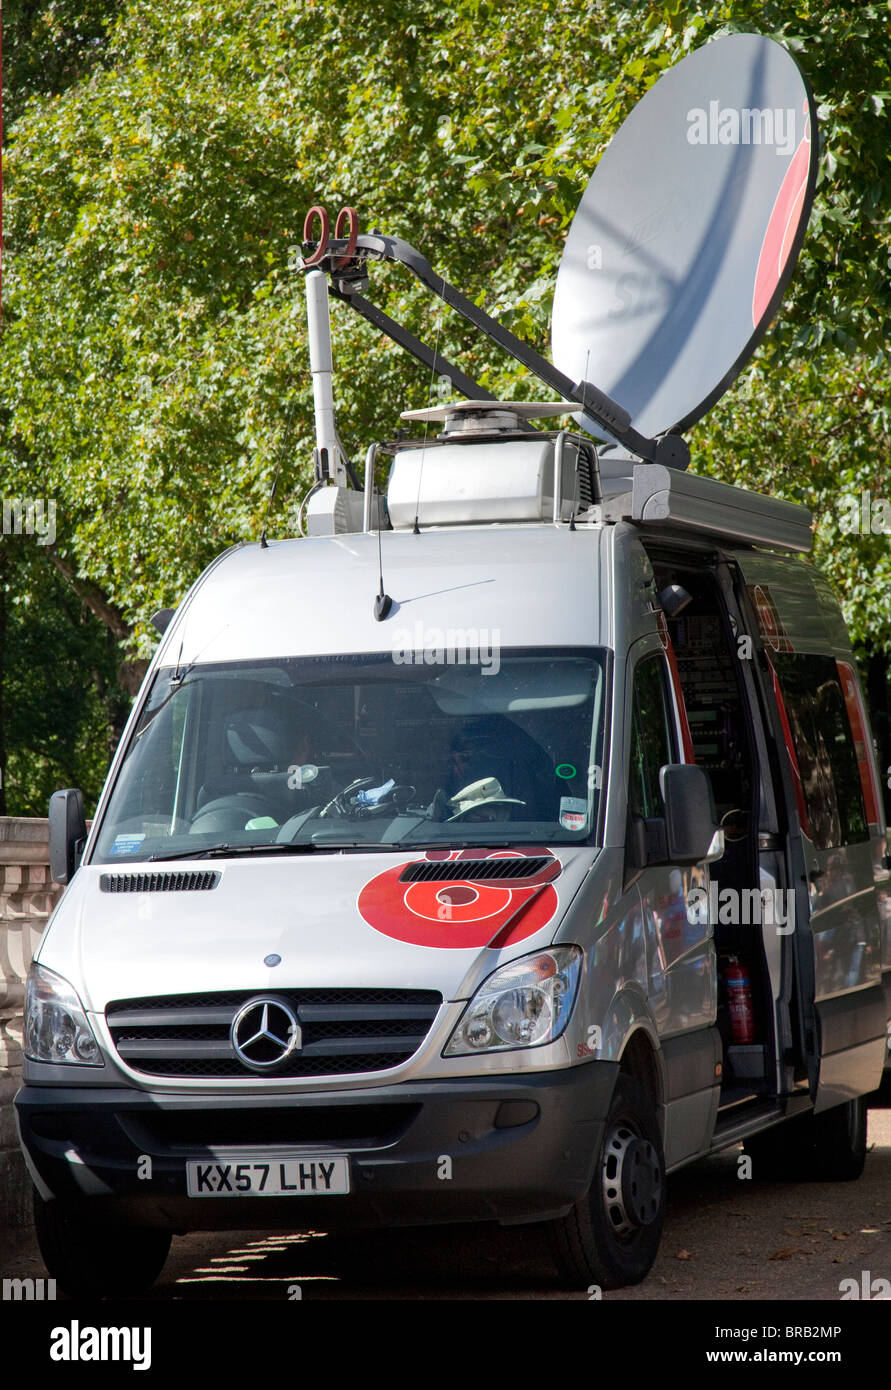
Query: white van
[503,846]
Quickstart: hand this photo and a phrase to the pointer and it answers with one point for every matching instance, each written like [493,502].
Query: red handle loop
[324,238]
[352,218]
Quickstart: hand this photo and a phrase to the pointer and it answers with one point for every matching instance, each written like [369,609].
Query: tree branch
[93,597]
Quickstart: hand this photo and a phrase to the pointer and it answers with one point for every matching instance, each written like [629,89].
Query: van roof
[525,585]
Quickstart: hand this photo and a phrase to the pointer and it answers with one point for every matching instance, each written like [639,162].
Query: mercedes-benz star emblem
[264,1032]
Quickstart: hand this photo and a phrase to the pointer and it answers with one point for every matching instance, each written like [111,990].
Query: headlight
[56,1027]
[524,1004]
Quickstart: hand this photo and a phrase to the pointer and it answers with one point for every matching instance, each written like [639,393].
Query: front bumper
[522,1148]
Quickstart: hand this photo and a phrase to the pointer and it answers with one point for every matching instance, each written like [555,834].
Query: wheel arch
[641,1060]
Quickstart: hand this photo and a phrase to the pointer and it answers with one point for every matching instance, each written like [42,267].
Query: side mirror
[691,831]
[67,833]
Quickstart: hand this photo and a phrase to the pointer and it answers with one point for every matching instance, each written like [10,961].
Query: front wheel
[611,1236]
[92,1261]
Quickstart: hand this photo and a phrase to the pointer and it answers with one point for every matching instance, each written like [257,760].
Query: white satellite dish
[688,232]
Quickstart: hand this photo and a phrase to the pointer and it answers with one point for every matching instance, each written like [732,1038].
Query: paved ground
[724,1239]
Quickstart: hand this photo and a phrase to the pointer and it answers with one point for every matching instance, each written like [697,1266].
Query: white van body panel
[303,908]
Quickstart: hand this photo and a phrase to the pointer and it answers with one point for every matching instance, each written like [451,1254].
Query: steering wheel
[394,800]
[337,805]
[227,813]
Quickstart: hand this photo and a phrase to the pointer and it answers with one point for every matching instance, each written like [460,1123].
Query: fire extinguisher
[739,998]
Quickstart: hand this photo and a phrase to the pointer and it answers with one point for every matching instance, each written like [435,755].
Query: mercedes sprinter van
[515,838]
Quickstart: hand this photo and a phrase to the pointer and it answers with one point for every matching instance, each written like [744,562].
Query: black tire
[829,1147]
[837,1145]
[611,1237]
[92,1261]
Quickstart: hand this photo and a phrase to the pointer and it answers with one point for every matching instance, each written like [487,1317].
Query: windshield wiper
[216,851]
[363,846]
[507,843]
[319,846]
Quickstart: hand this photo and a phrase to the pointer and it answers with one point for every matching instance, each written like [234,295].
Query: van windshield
[362,751]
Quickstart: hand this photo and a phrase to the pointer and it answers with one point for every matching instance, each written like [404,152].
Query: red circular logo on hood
[458,912]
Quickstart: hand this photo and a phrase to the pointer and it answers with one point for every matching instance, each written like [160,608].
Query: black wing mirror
[67,833]
[691,831]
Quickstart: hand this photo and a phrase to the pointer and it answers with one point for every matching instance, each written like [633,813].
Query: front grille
[346,1030]
[470,870]
[183,881]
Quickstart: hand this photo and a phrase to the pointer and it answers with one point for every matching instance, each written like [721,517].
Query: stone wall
[27,897]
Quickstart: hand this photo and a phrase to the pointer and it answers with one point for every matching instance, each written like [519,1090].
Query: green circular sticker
[565,770]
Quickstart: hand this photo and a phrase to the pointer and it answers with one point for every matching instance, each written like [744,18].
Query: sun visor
[526,685]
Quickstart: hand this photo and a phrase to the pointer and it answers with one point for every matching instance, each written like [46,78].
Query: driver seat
[250,743]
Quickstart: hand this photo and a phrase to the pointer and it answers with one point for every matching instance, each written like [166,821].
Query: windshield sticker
[457,913]
[573,812]
[126,844]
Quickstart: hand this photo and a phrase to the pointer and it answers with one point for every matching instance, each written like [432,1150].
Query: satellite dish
[688,232]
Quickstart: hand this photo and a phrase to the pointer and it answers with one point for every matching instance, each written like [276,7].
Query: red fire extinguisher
[739,998]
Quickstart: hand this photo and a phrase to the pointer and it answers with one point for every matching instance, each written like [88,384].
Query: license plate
[316,1176]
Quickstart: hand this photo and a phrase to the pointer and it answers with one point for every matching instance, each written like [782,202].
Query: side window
[860,729]
[652,741]
[820,730]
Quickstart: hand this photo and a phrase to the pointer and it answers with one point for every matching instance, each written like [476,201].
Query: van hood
[410,920]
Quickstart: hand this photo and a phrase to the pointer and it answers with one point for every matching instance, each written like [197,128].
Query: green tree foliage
[48,44]
[58,680]
[153,372]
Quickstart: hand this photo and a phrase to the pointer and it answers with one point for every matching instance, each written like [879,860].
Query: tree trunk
[93,597]
[130,673]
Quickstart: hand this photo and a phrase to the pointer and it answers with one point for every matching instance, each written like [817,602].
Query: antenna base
[382,605]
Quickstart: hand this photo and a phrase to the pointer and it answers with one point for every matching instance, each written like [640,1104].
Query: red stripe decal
[782,226]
